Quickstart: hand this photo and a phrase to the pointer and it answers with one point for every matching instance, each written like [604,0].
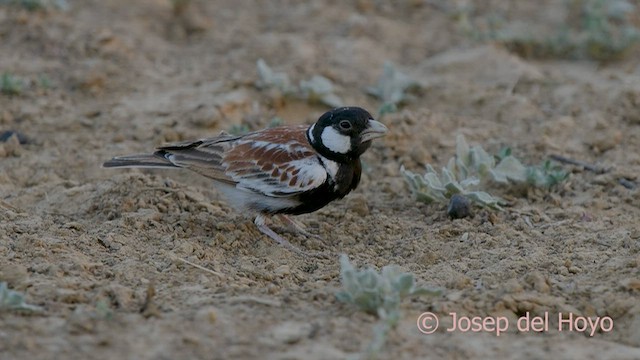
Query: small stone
[282,270]
[419,155]
[290,332]
[459,207]
[605,140]
[6,135]
[512,286]
[538,282]
[11,144]
[454,295]
[574,270]
[631,284]
[459,283]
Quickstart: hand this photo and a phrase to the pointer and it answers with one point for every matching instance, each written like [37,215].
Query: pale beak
[374,130]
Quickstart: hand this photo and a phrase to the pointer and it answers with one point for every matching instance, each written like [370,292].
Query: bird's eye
[345,125]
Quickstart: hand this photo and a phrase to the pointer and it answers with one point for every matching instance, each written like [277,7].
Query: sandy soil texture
[103,251]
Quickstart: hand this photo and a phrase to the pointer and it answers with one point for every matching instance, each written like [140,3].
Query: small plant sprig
[34,5]
[243,128]
[13,300]
[391,88]
[473,167]
[605,31]
[10,84]
[379,294]
[268,78]
[317,89]
[509,169]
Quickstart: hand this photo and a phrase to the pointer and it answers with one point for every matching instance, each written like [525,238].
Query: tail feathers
[139,160]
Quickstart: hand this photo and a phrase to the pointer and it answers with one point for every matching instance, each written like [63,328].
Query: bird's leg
[260,222]
[296,227]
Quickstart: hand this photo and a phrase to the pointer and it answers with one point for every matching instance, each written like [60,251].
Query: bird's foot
[297,228]
[260,222]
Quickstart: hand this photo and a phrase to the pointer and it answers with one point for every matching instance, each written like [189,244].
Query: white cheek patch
[335,141]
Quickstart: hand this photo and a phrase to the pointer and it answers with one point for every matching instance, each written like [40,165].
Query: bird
[279,171]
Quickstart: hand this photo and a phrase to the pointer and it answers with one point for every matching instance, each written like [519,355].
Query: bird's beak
[374,130]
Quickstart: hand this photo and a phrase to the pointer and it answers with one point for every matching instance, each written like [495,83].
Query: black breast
[347,179]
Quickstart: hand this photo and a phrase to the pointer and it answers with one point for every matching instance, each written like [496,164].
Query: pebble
[631,284]
[538,282]
[290,332]
[6,135]
[282,270]
[604,140]
[10,146]
[459,207]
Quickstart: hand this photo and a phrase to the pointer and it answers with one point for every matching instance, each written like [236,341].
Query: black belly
[347,179]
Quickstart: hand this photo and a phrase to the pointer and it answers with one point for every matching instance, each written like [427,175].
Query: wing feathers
[276,162]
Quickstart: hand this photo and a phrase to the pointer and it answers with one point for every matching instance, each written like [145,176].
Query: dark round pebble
[459,207]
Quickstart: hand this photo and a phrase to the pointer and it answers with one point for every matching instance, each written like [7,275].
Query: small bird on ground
[286,170]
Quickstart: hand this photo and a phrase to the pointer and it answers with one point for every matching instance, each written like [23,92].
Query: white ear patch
[335,141]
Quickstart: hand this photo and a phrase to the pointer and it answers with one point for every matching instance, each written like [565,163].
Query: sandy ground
[112,77]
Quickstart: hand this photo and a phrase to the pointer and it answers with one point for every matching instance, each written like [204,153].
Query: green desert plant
[10,84]
[509,169]
[433,187]
[318,89]
[103,310]
[34,5]
[472,168]
[13,300]
[268,78]
[239,129]
[243,128]
[391,88]
[379,294]
[604,31]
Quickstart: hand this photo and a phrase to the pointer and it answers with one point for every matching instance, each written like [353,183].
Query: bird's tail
[139,160]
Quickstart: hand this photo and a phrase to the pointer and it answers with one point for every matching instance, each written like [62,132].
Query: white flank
[246,200]
[335,141]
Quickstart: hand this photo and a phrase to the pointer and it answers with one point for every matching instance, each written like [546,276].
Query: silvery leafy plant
[379,294]
[317,89]
[472,168]
[34,5]
[268,78]
[391,87]
[433,187]
[13,300]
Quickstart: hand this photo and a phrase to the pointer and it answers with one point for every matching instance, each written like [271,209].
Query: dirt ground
[89,245]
